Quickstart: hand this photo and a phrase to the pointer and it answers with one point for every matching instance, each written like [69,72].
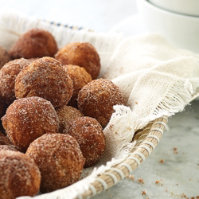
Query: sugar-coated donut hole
[8,74]
[19,175]
[27,119]
[66,115]
[81,54]
[80,78]
[33,44]
[88,133]
[46,78]
[58,155]
[97,98]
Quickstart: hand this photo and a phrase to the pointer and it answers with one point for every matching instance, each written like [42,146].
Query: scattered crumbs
[136,102]
[144,193]
[111,126]
[158,182]
[177,184]
[175,150]
[184,196]
[190,179]
[131,177]
[162,161]
[140,180]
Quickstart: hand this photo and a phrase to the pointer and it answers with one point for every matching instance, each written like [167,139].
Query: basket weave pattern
[146,140]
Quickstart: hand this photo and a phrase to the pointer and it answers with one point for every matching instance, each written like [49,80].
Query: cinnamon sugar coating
[19,175]
[46,78]
[97,98]
[4,56]
[34,43]
[81,54]
[59,159]
[79,77]
[27,119]
[8,75]
[66,115]
[90,137]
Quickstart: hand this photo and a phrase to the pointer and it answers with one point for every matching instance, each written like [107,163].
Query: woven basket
[146,141]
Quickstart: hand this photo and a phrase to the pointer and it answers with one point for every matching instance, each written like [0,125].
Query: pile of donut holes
[53,111]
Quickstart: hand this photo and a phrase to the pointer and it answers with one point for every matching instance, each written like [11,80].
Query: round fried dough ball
[19,175]
[66,115]
[97,98]
[46,78]
[4,56]
[8,75]
[79,77]
[90,137]
[59,159]
[27,119]
[34,43]
[81,54]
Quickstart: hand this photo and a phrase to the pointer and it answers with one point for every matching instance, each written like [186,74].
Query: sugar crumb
[175,150]
[144,193]
[140,180]
[157,182]
[162,161]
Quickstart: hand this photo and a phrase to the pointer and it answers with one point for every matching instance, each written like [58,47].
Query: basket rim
[143,148]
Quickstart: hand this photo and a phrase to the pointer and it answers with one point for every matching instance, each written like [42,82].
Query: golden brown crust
[46,78]
[8,75]
[4,56]
[97,98]
[58,155]
[34,43]
[79,77]
[90,137]
[19,175]
[81,54]
[66,115]
[28,118]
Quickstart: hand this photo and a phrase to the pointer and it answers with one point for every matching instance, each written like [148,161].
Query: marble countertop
[172,170]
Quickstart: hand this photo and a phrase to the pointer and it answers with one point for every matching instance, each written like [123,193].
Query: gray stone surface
[178,176]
